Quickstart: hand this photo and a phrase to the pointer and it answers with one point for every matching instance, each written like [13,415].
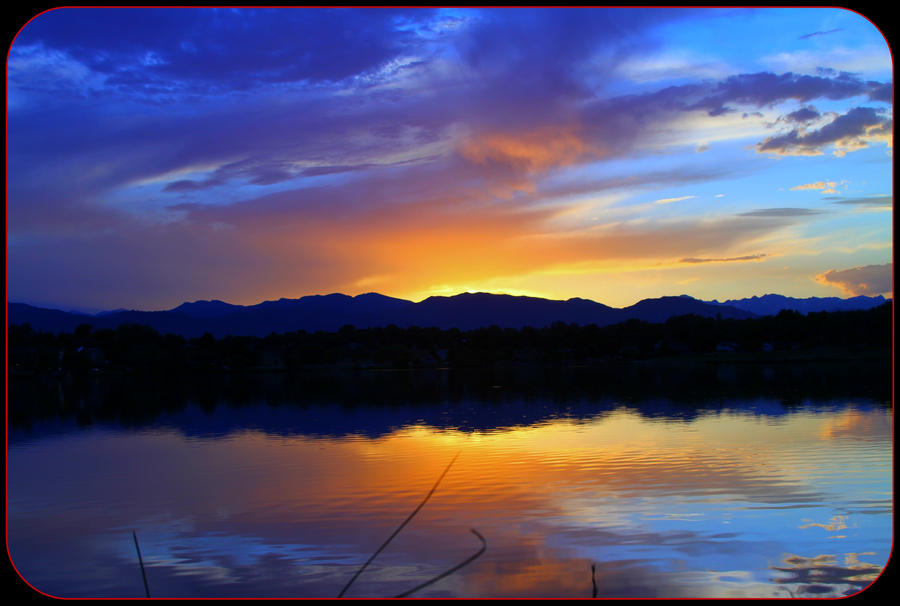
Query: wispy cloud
[856,59]
[670,200]
[821,33]
[781,212]
[878,201]
[673,65]
[722,260]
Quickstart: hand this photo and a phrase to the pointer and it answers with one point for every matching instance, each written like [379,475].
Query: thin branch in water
[467,561]
[399,528]
[141,562]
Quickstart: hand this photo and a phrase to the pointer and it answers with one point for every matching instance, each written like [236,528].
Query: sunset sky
[157,156]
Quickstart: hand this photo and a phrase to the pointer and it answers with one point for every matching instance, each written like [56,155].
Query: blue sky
[163,155]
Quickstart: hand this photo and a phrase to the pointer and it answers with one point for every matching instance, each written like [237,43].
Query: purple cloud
[803,115]
[867,280]
[882,91]
[766,89]
[850,130]
[526,68]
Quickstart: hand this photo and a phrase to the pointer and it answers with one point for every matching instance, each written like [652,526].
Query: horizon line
[84,310]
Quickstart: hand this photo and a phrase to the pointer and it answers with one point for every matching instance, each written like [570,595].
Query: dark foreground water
[679,482]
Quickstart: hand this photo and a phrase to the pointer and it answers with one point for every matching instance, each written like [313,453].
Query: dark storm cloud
[851,127]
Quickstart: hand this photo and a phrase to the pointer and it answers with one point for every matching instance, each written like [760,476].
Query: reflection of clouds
[547,575]
[821,576]
[268,575]
[855,425]
[725,584]
[257,514]
[675,516]
[837,523]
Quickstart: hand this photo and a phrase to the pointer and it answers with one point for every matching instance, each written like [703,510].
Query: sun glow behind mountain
[164,155]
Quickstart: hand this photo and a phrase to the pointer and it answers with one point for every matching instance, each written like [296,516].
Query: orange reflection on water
[852,423]
[547,577]
[550,468]
[646,499]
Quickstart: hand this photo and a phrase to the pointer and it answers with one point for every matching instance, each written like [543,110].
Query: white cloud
[669,200]
[673,65]
[695,126]
[867,60]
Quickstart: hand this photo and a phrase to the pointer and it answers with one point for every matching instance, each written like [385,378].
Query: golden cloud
[534,151]
[828,185]
[867,280]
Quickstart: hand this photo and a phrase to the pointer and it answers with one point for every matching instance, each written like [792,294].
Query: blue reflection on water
[752,497]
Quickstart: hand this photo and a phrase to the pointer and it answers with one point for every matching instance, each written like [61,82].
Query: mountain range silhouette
[463,311]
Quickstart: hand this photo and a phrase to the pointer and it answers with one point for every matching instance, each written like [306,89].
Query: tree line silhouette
[140,349]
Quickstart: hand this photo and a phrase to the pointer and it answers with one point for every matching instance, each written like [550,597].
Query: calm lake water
[718,482]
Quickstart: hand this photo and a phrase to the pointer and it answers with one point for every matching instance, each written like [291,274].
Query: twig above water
[399,528]
[141,562]
[468,560]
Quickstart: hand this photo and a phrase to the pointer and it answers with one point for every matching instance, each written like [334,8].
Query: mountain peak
[205,309]
[464,311]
